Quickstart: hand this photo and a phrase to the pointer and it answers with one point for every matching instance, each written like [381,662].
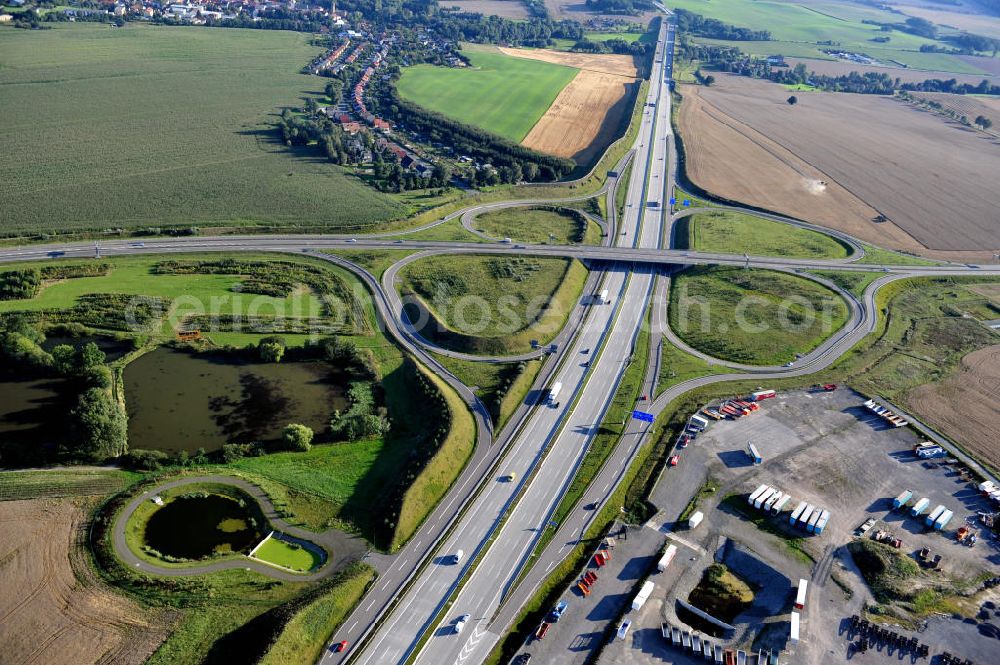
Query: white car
[460,624]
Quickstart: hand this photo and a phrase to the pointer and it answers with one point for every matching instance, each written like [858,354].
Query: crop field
[507,8]
[739,233]
[493,304]
[843,67]
[154,126]
[971,106]
[980,24]
[499,93]
[620,65]
[798,28]
[536,225]
[839,160]
[53,609]
[759,317]
[63,483]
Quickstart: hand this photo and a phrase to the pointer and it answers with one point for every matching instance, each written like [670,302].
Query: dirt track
[964,406]
[584,118]
[53,609]
[934,181]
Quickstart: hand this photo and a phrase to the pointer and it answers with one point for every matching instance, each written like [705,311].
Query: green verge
[879,256]
[533,296]
[375,261]
[501,386]
[738,233]
[500,93]
[307,633]
[539,225]
[752,316]
[852,282]
[677,366]
[441,471]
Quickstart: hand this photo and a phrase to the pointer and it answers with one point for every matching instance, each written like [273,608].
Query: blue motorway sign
[673,201]
[687,202]
[643,416]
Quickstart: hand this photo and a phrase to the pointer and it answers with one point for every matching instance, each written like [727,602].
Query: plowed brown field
[584,118]
[839,159]
[52,609]
[965,406]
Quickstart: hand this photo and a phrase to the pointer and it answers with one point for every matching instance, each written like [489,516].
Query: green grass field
[489,304]
[287,555]
[854,282]
[752,316]
[538,225]
[797,30]
[163,126]
[678,366]
[879,256]
[736,233]
[306,634]
[499,93]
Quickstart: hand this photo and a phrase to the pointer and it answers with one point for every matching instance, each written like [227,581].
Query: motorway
[497,524]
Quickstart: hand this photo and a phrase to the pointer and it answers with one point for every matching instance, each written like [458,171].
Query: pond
[198,526]
[28,432]
[184,401]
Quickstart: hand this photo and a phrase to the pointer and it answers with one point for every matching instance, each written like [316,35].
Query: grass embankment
[541,225]
[134,89]
[721,593]
[752,316]
[288,554]
[736,503]
[443,468]
[492,304]
[23,485]
[738,233]
[375,261]
[307,633]
[878,256]
[499,93]
[852,282]
[501,386]
[678,366]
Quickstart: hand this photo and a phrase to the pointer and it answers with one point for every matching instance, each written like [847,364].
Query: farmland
[507,8]
[752,316]
[502,94]
[739,233]
[493,305]
[825,160]
[152,126]
[798,29]
[54,609]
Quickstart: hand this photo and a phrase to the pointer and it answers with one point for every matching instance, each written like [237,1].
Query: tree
[793,100]
[64,359]
[708,80]
[90,356]
[983,122]
[101,426]
[297,437]
[271,349]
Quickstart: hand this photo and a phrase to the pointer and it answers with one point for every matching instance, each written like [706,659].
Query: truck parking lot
[825,448]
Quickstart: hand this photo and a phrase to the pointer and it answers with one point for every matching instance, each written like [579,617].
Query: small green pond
[198,526]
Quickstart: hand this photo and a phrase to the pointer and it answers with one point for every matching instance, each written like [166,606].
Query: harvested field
[507,8]
[979,24]
[966,105]
[622,65]
[964,405]
[841,67]
[584,118]
[839,159]
[52,609]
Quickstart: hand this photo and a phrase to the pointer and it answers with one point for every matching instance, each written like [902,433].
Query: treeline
[696,24]
[630,7]
[984,87]
[23,284]
[110,311]
[498,30]
[615,45]
[512,163]
[95,428]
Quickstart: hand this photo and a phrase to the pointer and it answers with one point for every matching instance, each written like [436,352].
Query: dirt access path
[53,609]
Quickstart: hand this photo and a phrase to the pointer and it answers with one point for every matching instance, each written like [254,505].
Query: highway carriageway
[309,243]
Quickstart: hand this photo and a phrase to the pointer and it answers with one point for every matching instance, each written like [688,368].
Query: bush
[145,460]
[297,437]
[101,426]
